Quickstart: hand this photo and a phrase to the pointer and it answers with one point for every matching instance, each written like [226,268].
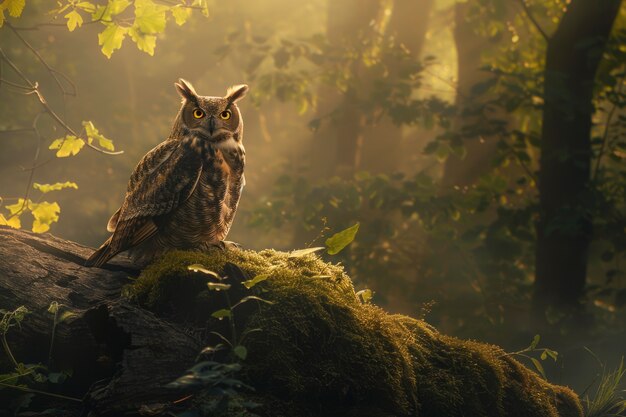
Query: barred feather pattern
[206,216]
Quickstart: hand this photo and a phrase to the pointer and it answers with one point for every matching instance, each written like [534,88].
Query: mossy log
[316,350]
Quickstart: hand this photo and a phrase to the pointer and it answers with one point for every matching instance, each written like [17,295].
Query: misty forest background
[480,144]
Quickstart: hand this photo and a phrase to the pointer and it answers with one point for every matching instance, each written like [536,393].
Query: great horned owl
[184,193]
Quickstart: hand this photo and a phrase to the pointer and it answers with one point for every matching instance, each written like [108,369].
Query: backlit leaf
[149,17]
[181,14]
[13,222]
[86,6]
[202,268]
[107,11]
[204,6]
[93,134]
[146,43]
[365,295]
[45,214]
[70,145]
[74,20]
[46,188]
[303,252]
[111,38]
[337,242]
[252,282]
[15,7]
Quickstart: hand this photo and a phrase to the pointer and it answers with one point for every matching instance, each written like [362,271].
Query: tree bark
[564,228]
[480,147]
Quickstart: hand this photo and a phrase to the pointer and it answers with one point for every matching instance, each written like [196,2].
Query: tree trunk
[335,148]
[384,148]
[479,148]
[564,228]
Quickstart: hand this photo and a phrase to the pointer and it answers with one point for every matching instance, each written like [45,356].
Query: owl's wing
[163,180]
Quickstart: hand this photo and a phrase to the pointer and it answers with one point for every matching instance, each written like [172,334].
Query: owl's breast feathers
[183,193]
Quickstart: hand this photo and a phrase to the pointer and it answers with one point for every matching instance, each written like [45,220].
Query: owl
[184,193]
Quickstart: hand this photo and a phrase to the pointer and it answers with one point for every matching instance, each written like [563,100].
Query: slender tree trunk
[336,146]
[384,147]
[479,149]
[564,228]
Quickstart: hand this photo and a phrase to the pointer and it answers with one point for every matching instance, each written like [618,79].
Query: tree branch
[42,100]
[51,70]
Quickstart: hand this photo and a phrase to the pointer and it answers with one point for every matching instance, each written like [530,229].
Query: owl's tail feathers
[102,255]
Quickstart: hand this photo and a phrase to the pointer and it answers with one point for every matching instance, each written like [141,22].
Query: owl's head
[215,119]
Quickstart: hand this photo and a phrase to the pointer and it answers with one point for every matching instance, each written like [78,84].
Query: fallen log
[305,344]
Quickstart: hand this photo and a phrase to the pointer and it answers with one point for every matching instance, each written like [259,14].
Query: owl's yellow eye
[198,114]
[225,114]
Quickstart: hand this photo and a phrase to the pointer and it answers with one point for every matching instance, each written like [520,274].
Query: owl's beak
[211,125]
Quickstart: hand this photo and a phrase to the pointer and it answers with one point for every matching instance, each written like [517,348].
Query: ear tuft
[186,90]
[236,92]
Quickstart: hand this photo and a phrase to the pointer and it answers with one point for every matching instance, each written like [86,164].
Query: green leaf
[67,146]
[303,252]
[534,343]
[93,134]
[65,315]
[45,214]
[539,367]
[149,17]
[111,38]
[86,6]
[202,268]
[552,353]
[337,242]
[46,188]
[365,295]
[74,20]
[112,8]
[252,282]
[146,43]
[220,314]
[13,222]
[250,298]
[204,6]
[15,7]
[181,14]
[217,286]
[240,351]
[54,307]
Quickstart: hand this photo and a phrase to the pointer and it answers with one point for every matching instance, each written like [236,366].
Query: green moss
[321,352]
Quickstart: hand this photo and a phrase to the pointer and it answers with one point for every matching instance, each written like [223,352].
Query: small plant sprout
[365,295]
[334,244]
[235,341]
[544,353]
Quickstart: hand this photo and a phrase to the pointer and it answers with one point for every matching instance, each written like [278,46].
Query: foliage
[142,20]
[476,239]
[221,391]
[608,400]
[31,378]
[403,219]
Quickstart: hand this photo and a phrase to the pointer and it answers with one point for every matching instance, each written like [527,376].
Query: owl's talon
[226,245]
